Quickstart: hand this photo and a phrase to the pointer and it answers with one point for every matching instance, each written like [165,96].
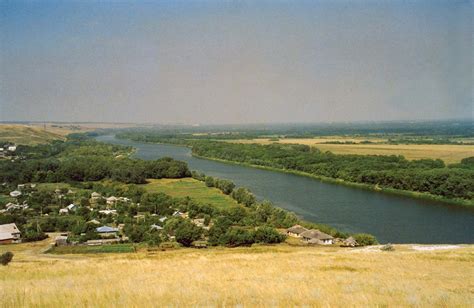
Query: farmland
[188,187]
[449,153]
[279,275]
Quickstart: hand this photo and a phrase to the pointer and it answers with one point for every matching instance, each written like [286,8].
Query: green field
[113,248]
[193,188]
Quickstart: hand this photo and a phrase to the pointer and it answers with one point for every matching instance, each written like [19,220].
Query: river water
[391,218]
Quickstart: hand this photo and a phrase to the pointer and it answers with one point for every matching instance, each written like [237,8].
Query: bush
[364,239]
[6,258]
[268,235]
[388,247]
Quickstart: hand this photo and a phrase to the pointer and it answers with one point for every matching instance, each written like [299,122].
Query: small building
[64,211]
[108,212]
[9,233]
[12,206]
[198,222]
[106,231]
[180,214]
[96,195]
[317,237]
[349,242]
[71,207]
[296,231]
[94,222]
[162,219]
[12,148]
[60,240]
[15,193]
[156,227]
[111,200]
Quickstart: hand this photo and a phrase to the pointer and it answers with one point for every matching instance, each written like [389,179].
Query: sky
[219,62]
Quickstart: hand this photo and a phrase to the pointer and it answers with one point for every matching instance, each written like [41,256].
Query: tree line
[85,160]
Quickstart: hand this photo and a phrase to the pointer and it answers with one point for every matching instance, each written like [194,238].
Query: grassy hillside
[190,187]
[449,153]
[23,134]
[263,275]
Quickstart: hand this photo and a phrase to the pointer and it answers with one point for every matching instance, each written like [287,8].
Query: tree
[187,232]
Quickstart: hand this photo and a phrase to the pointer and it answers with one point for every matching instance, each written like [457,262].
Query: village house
[317,237]
[162,219]
[15,193]
[9,233]
[71,207]
[9,207]
[64,211]
[94,222]
[198,222]
[156,227]
[180,214]
[108,212]
[106,231]
[111,201]
[296,231]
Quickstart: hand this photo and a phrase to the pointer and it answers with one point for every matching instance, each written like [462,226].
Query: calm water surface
[390,218]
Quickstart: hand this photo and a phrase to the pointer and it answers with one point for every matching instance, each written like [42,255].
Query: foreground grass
[262,275]
[449,153]
[190,187]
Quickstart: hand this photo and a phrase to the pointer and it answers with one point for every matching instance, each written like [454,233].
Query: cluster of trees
[77,160]
[241,195]
[224,185]
[425,175]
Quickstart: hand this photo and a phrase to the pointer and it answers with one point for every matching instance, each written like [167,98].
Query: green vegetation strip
[114,248]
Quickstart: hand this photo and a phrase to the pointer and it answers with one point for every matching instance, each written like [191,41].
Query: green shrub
[6,258]
[364,239]
[268,235]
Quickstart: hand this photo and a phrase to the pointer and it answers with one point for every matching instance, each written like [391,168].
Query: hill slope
[263,275]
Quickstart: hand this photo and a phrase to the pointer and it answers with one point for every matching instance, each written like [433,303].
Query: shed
[349,242]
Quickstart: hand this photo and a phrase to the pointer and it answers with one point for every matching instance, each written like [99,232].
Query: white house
[64,211]
[71,207]
[12,148]
[9,233]
[15,193]
[156,227]
[317,237]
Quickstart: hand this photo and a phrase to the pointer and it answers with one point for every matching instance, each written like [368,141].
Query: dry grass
[258,276]
[448,153]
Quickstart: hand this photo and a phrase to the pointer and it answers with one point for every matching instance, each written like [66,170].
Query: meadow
[280,275]
[196,190]
[449,153]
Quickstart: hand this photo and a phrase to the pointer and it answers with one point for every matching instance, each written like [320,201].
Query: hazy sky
[235,62]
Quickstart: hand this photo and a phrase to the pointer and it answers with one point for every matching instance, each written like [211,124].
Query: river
[391,218]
